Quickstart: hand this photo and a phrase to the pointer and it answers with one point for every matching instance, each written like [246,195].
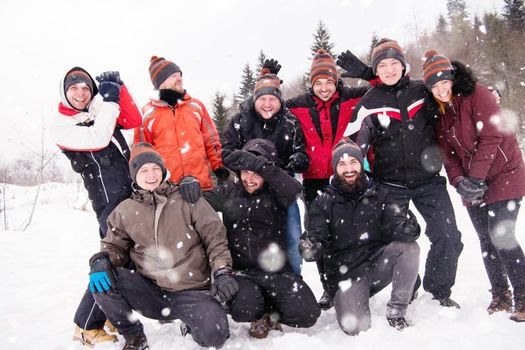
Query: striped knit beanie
[323,67]
[436,68]
[143,153]
[161,69]
[387,48]
[267,84]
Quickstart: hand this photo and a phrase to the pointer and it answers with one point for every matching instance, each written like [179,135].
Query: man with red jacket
[88,131]
[180,128]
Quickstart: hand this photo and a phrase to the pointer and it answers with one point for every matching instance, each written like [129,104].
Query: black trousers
[503,257]
[283,293]
[88,314]
[204,316]
[433,203]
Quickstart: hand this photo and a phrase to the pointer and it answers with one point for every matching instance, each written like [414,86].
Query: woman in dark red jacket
[484,162]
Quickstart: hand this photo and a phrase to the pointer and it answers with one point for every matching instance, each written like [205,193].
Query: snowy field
[44,271]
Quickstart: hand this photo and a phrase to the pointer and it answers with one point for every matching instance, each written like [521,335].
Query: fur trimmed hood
[464,79]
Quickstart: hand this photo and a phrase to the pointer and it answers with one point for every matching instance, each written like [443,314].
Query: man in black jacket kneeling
[366,242]
[254,212]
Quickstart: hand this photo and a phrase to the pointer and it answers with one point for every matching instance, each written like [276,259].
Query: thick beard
[351,189]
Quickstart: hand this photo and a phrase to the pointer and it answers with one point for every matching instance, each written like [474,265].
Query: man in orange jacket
[182,131]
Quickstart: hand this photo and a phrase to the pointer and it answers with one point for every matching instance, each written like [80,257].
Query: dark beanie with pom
[346,148]
[161,69]
[436,68]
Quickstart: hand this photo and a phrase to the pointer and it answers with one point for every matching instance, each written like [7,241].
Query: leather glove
[298,162]
[190,189]
[471,189]
[272,65]
[354,67]
[224,285]
[411,229]
[309,250]
[243,160]
[109,91]
[113,76]
[103,275]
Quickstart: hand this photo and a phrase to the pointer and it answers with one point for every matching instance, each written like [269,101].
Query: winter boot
[326,302]
[110,327]
[398,323]
[259,329]
[447,302]
[501,301]
[519,307]
[91,337]
[136,342]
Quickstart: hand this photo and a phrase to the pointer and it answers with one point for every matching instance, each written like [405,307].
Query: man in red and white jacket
[88,131]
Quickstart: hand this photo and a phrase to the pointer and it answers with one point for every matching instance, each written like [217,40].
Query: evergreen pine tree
[322,40]
[260,61]
[373,43]
[514,14]
[220,114]
[247,84]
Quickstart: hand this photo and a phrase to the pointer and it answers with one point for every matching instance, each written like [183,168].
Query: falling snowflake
[179,245]
[272,258]
[166,311]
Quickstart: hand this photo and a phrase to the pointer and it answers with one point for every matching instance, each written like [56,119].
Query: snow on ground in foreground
[44,270]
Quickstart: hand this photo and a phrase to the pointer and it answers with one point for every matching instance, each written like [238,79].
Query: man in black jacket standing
[395,120]
[254,213]
[366,243]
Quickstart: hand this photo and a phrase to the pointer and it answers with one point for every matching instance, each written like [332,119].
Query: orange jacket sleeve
[211,139]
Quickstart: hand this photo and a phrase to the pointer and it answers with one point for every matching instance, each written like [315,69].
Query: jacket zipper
[101,177]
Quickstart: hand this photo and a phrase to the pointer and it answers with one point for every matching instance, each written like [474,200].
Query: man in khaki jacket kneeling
[176,247]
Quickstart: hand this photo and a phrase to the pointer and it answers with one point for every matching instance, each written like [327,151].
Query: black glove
[222,175]
[471,189]
[354,67]
[243,160]
[113,76]
[309,250]
[190,189]
[103,275]
[298,162]
[411,229]
[272,65]
[224,285]
[109,91]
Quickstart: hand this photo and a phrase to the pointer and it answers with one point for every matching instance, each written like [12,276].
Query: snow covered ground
[44,270]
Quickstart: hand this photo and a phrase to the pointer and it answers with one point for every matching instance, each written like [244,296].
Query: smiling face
[267,106]
[79,96]
[442,90]
[251,181]
[174,82]
[389,70]
[348,169]
[149,176]
[324,89]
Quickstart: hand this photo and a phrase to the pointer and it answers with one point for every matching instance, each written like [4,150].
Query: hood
[62,91]
[464,80]
[263,148]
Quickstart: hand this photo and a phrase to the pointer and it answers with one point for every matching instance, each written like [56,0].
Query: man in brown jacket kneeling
[176,247]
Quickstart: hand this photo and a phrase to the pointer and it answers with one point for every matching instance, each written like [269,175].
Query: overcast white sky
[210,40]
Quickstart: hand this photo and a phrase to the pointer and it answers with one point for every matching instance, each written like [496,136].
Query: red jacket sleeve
[130,116]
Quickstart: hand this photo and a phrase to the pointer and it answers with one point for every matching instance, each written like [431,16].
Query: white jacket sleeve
[68,133]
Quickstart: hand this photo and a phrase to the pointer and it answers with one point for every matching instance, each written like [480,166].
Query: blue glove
[109,91]
[102,276]
[99,282]
[113,76]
